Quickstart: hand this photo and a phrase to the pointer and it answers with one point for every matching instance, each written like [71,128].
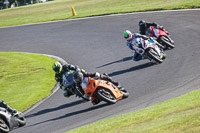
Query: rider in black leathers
[7,107]
[143,26]
[59,71]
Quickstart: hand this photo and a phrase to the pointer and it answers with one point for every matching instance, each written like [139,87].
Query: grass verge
[25,78]
[61,9]
[178,115]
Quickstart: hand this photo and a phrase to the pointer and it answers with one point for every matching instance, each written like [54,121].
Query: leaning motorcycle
[161,36]
[9,122]
[69,84]
[102,90]
[151,51]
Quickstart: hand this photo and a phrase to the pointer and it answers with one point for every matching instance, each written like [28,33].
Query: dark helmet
[78,76]
[142,23]
[57,67]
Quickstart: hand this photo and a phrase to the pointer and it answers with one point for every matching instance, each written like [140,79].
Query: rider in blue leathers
[134,42]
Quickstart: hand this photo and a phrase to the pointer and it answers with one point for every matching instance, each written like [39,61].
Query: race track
[97,44]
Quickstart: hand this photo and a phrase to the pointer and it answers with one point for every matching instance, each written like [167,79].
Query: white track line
[53,91]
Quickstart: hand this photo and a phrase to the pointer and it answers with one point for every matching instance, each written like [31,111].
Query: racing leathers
[7,107]
[145,27]
[59,77]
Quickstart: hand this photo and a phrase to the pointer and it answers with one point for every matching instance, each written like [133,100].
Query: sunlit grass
[179,115]
[61,9]
[25,78]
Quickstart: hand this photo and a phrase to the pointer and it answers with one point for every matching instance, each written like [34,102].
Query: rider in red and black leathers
[143,26]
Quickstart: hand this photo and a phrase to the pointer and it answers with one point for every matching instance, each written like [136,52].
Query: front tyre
[106,96]
[4,128]
[125,93]
[166,42]
[21,120]
[154,55]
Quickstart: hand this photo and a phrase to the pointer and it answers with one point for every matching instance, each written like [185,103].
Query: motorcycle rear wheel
[165,41]
[4,128]
[153,55]
[106,96]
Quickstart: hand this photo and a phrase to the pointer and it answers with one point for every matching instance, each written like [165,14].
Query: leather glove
[97,75]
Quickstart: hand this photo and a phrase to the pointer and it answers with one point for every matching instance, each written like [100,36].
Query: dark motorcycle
[69,85]
[9,122]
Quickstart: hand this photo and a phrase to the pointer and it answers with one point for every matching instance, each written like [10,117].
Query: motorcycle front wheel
[4,128]
[165,41]
[106,96]
[21,120]
[154,55]
[125,94]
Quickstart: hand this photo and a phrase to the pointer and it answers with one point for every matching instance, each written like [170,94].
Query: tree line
[4,4]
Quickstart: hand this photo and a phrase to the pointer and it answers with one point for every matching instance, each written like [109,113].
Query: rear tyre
[106,96]
[165,41]
[154,55]
[4,128]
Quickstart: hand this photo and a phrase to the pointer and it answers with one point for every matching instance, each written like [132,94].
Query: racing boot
[107,78]
[95,101]
[105,74]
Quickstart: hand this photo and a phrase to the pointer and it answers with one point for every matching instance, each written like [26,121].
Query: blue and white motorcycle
[150,50]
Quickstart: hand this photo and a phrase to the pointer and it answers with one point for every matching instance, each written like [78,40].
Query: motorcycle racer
[135,41]
[7,107]
[143,26]
[79,78]
[62,69]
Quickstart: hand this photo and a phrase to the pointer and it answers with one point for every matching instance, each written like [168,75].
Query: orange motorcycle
[103,90]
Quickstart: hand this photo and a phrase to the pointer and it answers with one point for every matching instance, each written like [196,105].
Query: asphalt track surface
[97,44]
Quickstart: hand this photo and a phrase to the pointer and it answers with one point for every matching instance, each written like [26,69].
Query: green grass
[179,115]
[25,78]
[61,9]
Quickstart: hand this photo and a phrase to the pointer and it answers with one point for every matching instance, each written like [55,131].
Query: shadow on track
[70,114]
[118,61]
[55,109]
[142,66]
